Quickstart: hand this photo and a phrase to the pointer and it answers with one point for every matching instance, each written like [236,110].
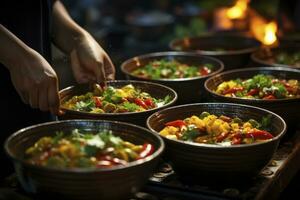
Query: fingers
[43,98]
[53,97]
[23,94]
[99,72]
[92,65]
[79,76]
[34,97]
[109,69]
[75,65]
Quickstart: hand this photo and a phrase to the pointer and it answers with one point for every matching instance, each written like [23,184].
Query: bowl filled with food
[178,70]
[213,141]
[273,88]
[129,101]
[84,159]
[232,49]
[282,56]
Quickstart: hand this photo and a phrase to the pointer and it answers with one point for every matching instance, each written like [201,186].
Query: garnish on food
[220,130]
[260,87]
[114,100]
[85,149]
[171,69]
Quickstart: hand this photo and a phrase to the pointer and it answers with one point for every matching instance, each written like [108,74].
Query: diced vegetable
[171,69]
[222,130]
[83,149]
[114,100]
[260,87]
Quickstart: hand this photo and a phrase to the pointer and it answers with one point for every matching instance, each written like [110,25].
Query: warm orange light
[238,11]
[263,31]
[270,33]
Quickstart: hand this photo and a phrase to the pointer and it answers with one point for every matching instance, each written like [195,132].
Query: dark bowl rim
[244,100]
[218,53]
[91,170]
[255,58]
[220,66]
[65,111]
[209,146]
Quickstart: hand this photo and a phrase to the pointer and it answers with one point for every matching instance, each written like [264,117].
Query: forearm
[66,32]
[12,49]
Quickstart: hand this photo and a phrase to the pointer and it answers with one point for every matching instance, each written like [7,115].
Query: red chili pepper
[285,84]
[140,103]
[233,90]
[149,103]
[290,89]
[176,123]
[98,102]
[106,160]
[204,71]
[253,92]
[236,138]
[270,96]
[259,134]
[147,150]
[222,136]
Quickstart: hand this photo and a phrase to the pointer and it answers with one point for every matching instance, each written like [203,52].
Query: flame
[270,33]
[263,31]
[238,10]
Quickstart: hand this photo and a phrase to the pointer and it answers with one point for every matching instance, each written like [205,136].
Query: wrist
[13,51]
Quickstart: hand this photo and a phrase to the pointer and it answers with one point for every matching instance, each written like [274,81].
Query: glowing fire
[238,10]
[263,31]
[270,33]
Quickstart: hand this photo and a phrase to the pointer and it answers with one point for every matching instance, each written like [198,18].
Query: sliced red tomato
[233,90]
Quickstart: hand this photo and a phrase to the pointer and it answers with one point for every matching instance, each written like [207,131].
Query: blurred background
[129,28]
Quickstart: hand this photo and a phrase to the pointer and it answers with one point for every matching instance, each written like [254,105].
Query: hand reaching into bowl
[33,77]
[90,63]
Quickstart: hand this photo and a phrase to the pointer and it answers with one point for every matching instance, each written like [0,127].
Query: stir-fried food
[84,149]
[171,69]
[260,87]
[114,100]
[220,130]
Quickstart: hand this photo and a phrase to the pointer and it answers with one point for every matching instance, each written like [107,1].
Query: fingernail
[110,77]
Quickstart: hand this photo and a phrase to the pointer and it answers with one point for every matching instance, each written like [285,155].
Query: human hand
[90,63]
[36,82]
